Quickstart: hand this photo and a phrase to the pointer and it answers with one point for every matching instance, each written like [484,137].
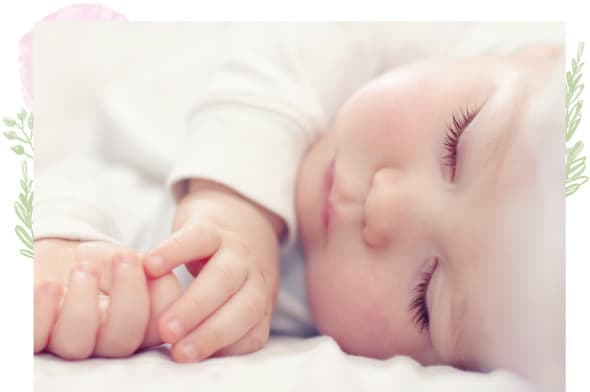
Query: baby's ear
[542,50]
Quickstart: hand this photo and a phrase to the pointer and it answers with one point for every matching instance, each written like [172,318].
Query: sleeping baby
[428,210]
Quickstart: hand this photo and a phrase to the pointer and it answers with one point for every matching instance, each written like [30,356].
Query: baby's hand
[231,247]
[92,299]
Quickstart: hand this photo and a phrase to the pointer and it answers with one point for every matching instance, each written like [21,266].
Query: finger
[74,332]
[162,291]
[223,276]
[46,298]
[225,327]
[191,242]
[254,340]
[101,255]
[128,313]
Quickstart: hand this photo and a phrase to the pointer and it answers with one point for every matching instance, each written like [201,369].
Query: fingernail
[155,262]
[79,275]
[189,351]
[125,261]
[52,289]
[175,327]
[84,271]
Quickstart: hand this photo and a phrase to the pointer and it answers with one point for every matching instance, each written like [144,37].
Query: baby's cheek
[360,311]
[341,309]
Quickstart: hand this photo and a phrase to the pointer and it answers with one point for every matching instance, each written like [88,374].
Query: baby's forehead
[427,76]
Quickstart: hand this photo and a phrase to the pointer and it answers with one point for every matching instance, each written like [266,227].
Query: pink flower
[93,12]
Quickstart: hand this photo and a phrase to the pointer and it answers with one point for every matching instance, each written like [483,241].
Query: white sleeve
[88,199]
[87,195]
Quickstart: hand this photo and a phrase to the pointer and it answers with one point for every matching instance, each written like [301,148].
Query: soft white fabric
[291,315]
[142,107]
[284,364]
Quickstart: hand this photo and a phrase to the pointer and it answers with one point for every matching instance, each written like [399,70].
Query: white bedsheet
[285,364]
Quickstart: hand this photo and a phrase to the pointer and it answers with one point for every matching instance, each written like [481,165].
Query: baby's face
[449,252]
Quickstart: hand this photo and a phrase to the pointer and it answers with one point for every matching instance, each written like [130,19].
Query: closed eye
[419,306]
[459,122]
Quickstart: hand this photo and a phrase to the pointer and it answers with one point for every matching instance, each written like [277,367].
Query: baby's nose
[389,205]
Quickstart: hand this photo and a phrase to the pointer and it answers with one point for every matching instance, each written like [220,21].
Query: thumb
[192,242]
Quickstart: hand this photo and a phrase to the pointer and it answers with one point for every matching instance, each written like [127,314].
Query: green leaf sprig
[17,131]
[24,211]
[21,131]
[574,164]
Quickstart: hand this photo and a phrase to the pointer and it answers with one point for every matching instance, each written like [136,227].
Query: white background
[16,18]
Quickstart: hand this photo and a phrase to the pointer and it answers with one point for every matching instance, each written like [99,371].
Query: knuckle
[46,291]
[231,273]
[206,231]
[268,284]
[240,247]
[96,253]
[254,307]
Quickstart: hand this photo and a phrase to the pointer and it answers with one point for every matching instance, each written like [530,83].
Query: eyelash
[459,122]
[418,305]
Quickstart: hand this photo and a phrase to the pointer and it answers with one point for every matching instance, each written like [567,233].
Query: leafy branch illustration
[20,131]
[575,165]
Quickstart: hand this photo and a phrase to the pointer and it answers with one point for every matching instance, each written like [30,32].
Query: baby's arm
[230,245]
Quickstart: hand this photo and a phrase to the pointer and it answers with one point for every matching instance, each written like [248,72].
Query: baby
[431,217]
